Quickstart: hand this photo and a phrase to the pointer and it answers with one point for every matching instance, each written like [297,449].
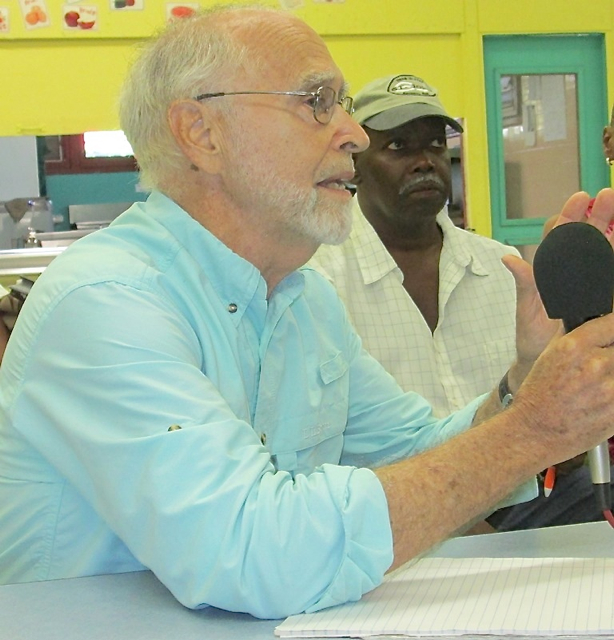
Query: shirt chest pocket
[310,431]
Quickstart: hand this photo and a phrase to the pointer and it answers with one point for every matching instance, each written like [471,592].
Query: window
[90,152]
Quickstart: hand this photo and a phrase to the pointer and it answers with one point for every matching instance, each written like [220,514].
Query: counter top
[135,606]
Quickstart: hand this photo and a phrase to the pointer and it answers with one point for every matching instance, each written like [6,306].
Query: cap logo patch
[410,86]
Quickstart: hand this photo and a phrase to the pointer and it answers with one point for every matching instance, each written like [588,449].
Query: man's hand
[534,329]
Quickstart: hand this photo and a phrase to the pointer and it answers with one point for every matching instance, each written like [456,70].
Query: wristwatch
[506,397]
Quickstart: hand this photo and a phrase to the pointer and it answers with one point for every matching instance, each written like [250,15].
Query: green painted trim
[581,54]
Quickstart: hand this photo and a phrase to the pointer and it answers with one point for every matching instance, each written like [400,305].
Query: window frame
[74,161]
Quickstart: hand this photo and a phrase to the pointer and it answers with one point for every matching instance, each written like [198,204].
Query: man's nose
[423,162]
[354,137]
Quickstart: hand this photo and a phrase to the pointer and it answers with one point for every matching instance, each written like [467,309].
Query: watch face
[507,400]
[505,395]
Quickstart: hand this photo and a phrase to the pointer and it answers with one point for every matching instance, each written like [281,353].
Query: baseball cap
[391,101]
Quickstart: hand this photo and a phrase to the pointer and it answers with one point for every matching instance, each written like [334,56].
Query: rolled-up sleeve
[160,411]
[203,505]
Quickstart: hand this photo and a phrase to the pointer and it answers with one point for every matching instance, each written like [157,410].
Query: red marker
[549,480]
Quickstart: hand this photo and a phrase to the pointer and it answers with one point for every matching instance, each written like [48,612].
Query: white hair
[190,56]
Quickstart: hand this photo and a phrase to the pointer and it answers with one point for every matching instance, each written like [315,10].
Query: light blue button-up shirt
[263,501]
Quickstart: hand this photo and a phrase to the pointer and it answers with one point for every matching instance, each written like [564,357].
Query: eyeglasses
[323,100]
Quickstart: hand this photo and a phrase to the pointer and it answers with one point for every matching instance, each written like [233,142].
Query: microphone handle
[599,464]
[599,457]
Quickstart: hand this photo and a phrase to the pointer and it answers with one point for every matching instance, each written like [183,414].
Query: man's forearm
[434,494]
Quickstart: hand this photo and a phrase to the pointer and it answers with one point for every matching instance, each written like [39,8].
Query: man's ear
[194,130]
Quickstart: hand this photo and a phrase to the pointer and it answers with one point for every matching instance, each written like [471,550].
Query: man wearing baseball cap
[431,301]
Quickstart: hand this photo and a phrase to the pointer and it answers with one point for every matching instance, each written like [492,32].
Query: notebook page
[479,596]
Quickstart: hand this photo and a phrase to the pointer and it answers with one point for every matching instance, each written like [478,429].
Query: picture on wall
[511,101]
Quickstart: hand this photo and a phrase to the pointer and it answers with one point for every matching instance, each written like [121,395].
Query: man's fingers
[520,269]
[574,210]
[600,330]
[602,213]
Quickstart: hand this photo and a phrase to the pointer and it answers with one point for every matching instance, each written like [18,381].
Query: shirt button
[263,438]
[232,308]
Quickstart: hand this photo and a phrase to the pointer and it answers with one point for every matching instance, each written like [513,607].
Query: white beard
[321,221]
[288,210]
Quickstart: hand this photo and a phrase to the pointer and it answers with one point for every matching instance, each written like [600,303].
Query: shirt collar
[373,258]
[375,261]
[457,247]
[236,280]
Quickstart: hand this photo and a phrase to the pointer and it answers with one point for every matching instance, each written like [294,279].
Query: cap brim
[404,113]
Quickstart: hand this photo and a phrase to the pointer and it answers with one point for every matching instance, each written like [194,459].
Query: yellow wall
[56,81]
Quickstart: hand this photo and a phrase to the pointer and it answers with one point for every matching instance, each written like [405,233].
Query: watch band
[506,397]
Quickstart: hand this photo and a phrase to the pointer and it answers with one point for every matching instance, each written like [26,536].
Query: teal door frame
[579,54]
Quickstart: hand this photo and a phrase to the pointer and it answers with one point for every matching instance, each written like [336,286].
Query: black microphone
[574,274]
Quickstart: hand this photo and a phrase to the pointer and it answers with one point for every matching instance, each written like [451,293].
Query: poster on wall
[127,5]
[80,17]
[35,13]
[175,10]
[4,20]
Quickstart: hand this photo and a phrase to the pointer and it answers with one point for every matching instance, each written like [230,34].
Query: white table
[135,606]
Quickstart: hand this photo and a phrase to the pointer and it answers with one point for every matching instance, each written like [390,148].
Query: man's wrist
[506,397]
[517,373]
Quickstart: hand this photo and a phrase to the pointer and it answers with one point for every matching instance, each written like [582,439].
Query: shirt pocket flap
[333,369]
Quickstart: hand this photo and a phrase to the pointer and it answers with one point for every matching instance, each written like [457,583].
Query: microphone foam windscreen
[574,273]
